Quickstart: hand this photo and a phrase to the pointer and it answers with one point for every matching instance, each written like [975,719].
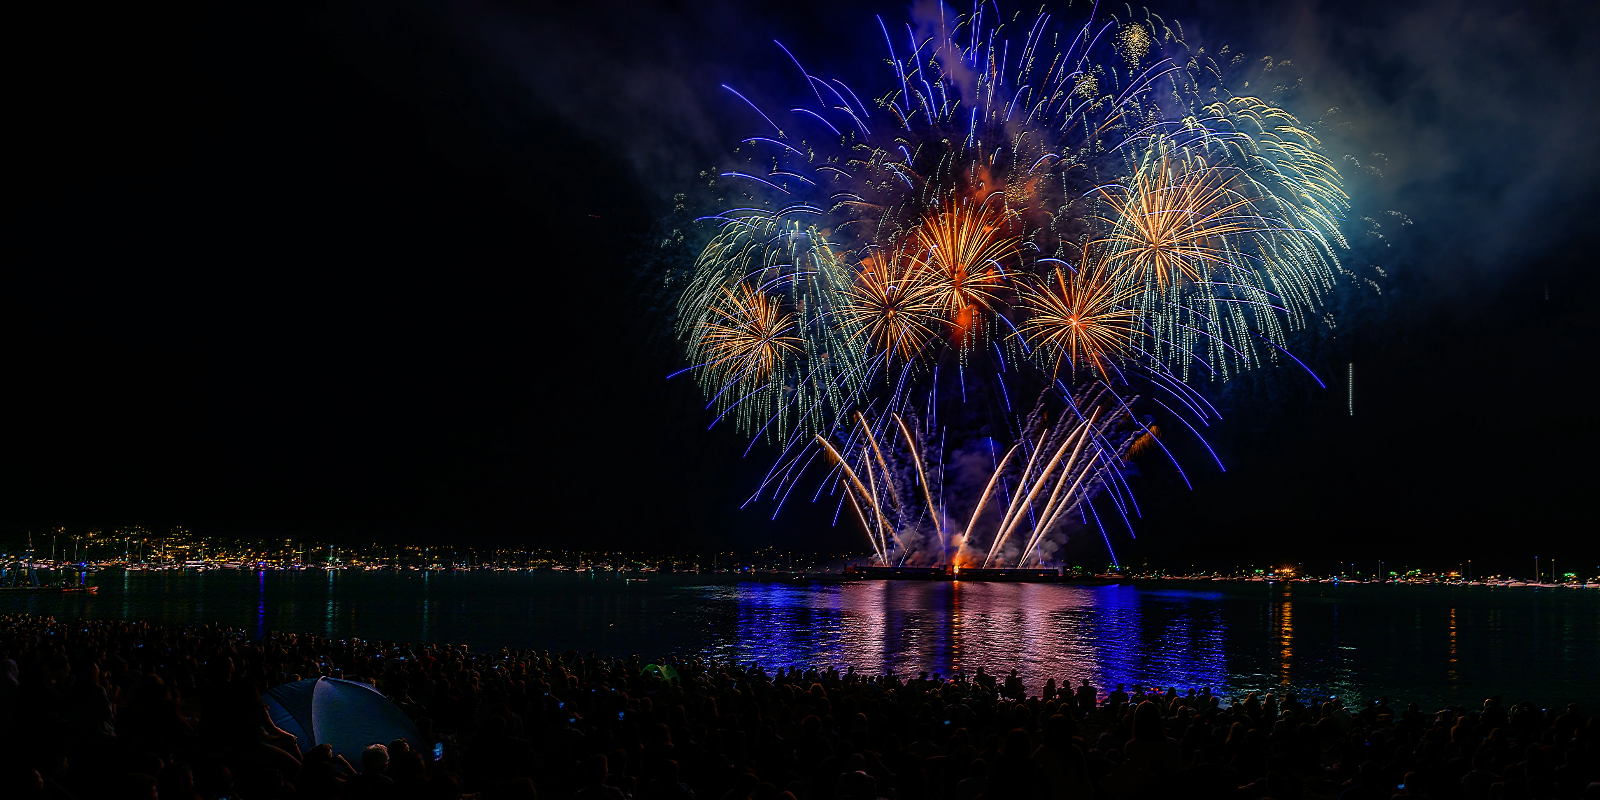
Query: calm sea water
[1431,644]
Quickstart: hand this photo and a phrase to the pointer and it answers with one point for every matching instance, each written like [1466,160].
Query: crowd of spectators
[132,710]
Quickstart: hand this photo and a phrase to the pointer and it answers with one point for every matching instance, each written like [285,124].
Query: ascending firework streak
[1092,227]
[880,503]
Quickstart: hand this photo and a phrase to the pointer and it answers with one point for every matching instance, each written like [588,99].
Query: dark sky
[367,271]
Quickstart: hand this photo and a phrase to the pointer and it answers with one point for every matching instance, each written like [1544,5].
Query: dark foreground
[119,709]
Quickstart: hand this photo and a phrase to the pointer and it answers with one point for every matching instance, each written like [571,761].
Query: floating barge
[1035,575]
[943,573]
[953,573]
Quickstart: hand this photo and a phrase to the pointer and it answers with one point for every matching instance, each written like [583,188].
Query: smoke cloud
[1470,119]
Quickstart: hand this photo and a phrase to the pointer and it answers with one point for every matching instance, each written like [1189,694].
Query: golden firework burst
[1079,318]
[1133,43]
[894,306]
[963,252]
[1173,224]
[746,337]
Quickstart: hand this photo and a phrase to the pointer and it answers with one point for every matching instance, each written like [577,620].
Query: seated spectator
[1086,696]
[1478,784]
[1411,786]
[1013,687]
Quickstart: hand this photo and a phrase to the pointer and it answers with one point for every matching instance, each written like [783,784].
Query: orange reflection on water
[1285,637]
[1453,655]
[955,630]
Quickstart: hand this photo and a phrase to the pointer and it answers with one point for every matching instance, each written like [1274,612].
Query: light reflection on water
[1105,635]
[1431,644]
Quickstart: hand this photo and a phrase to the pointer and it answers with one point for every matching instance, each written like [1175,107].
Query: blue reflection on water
[1106,634]
[261,603]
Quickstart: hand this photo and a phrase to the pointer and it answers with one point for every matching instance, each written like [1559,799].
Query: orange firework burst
[963,254]
[1077,319]
[893,305]
[747,336]
[1173,224]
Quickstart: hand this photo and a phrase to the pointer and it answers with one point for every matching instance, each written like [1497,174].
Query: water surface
[1431,644]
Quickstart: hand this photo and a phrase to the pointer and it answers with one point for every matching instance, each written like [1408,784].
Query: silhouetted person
[594,781]
[1014,774]
[1087,696]
[1368,784]
[519,789]
[973,785]
[176,782]
[666,784]
[1062,762]
[1013,687]
[374,782]
[135,786]
[1117,699]
[1477,783]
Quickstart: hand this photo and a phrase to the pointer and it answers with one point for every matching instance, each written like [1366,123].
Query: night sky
[369,271]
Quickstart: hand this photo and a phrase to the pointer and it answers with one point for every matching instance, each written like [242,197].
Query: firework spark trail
[922,480]
[959,245]
[1009,217]
[1015,505]
[892,490]
[988,490]
[1079,435]
[1050,518]
[882,524]
[1066,472]
[1061,498]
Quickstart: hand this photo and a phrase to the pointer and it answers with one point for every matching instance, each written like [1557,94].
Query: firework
[1174,224]
[1023,223]
[962,255]
[747,336]
[1068,465]
[1083,319]
[893,306]
[745,343]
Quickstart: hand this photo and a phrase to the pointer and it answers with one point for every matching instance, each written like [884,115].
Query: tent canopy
[345,714]
[661,670]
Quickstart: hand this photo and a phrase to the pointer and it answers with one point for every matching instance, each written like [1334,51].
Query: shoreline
[85,573]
